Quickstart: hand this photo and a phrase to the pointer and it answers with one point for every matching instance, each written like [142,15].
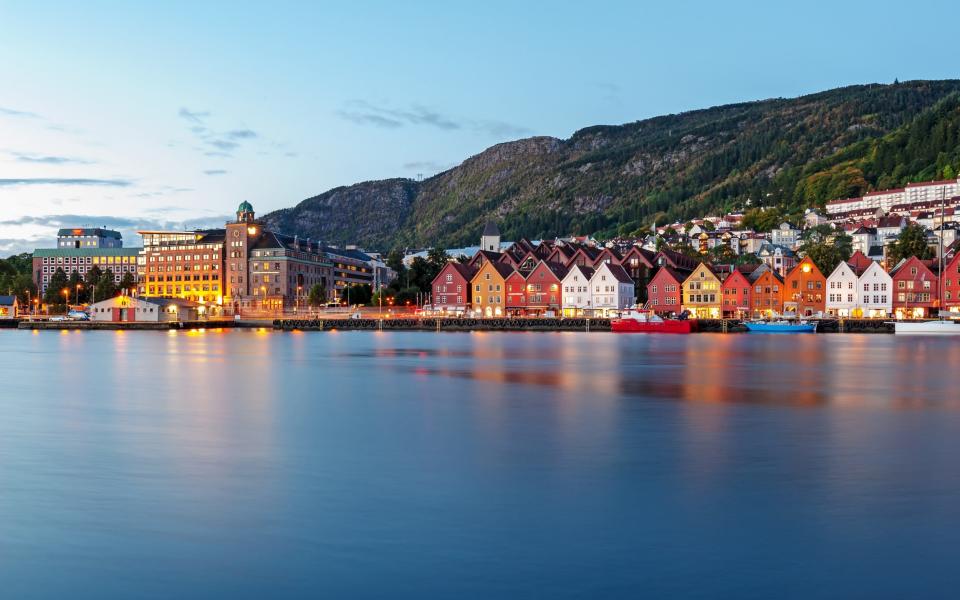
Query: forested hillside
[791,153]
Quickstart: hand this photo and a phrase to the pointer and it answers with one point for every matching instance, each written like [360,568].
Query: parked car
[59,318]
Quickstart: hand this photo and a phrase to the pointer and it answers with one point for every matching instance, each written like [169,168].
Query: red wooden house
[451,287]
[916,292]
[951,284]
[735,293]
[516,297]
[665,290]
[544,288]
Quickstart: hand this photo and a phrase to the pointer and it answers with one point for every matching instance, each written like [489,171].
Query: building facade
[246,267]
[804,295]
[119,261]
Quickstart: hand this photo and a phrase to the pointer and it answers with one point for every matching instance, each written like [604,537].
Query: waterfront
[477,465]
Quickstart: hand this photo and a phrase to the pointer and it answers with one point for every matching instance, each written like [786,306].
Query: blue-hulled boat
[780,327]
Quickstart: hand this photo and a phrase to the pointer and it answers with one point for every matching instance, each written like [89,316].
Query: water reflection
[360,464]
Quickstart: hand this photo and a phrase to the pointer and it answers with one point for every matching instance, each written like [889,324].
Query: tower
[239,235]
[490,238]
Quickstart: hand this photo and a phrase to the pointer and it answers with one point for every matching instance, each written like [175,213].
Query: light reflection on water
[252,464]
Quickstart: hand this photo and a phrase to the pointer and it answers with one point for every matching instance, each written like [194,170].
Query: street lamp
[66,297]
[76,299]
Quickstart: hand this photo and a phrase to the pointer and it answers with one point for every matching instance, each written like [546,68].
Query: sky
[169,114]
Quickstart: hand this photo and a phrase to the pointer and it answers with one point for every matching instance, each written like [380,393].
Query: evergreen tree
[912,241]
[75,283]
[90,283]
[106,286]
[826,247]
[128,283]
[55,288]
[317,296]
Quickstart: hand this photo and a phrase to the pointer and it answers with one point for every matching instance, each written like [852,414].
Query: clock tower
[239,235]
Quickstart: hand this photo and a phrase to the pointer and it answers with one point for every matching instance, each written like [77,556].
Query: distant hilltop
[617,180]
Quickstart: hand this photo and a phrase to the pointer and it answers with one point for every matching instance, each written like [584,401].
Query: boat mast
[943,217]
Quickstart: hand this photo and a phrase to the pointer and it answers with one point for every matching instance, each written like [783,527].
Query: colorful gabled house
[451,288]
[489,285]
[639,265]
[576,296]
[843,291]
[735,292]
[805,285]
[665,290]
[951,284]
[544,289]
[916,288]
[702,293]
[612,290]
[875,292]
[766,293]
[516,294]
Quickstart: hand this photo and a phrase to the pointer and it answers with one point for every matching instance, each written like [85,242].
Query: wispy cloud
[241,134]
[49,160]
[426,165]
[10,112]
[222,142]
[366,113]
[65,181]
[215,172]
[195,116]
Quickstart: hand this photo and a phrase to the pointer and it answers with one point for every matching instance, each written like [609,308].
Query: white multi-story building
[612,290]
[842,291]
[875,292]
[577,295]
[912,193]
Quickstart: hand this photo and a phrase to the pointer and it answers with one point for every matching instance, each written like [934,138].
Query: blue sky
[135,114]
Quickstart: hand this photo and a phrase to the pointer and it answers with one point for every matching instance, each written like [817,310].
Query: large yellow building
[490,289]
[702,293]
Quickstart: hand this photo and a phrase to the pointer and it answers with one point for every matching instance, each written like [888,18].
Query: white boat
[927,328]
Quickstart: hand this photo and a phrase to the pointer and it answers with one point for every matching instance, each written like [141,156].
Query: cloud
[195,116]
[49,160]
[369,119]
[18,113]
[65,181]
[223,144]
[426,165]
[215,172]
[241,134]
[365,113]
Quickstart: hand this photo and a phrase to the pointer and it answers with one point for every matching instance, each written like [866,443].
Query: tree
[760,219]
[358,293]
[317,296]
[75,283]
[128,283]
[91,280]
[54,294]
[912,241]
[106,286]
[826,247]
[722,254]
[16,279]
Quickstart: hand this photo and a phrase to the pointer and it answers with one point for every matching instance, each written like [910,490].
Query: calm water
[418,465]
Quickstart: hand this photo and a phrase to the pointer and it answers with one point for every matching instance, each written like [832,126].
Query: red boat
[641,323]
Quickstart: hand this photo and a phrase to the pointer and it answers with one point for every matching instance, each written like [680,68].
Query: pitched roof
[859,262]
[619,273]
[466,271]
[490,229]
[7,300]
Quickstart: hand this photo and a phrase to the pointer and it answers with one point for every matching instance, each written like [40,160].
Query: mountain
[617,179]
